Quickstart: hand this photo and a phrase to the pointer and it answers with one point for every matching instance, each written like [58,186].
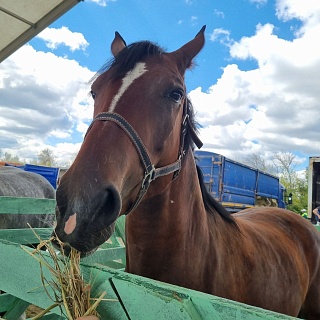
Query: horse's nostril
[106,206]
[112,199]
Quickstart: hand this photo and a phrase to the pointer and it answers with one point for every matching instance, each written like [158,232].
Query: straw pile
[69,288]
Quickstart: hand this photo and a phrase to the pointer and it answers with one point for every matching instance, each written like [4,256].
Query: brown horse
[137,159]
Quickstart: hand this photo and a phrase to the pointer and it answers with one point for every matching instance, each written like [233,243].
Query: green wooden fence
[128,296]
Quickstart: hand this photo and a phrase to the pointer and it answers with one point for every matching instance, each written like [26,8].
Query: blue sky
[254,87]
[170,24]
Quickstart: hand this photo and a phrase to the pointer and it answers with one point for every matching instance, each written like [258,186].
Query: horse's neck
[170,228]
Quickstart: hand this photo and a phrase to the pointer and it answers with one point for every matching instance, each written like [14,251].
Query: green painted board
[16,309]
[13,205]
[101,256]
[20,277]
[105,256]
[132,297]
[6,300]
[120,228]
[164,301]
[25,236]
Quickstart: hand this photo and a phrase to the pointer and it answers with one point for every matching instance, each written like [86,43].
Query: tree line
[44,158]
[284,166]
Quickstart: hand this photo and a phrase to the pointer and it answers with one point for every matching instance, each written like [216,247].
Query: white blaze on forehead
[135,73]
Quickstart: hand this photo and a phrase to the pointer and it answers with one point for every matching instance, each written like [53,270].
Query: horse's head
[138,134]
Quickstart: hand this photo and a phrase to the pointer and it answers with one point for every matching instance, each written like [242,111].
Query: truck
[313,185]
[238,186]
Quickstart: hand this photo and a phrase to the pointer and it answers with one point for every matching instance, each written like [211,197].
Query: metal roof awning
[21,20]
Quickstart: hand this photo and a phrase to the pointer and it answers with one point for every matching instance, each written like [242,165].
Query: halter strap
[150,172]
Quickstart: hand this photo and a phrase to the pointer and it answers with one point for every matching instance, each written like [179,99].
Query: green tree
[256,161]
[284,165]
[9,158]
[294,183]
[46,158]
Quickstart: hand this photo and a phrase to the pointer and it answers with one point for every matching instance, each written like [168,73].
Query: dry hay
[69,288]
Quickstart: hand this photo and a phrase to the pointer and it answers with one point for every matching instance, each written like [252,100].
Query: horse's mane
[124,62]
[211,205]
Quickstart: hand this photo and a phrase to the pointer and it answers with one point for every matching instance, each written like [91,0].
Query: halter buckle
[148,178]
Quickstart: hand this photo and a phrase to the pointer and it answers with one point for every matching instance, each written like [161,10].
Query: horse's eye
[176,96]
[93,94]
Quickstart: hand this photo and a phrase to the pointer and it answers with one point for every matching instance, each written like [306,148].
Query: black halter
[150,172]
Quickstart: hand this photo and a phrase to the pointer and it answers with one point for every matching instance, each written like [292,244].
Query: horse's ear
[187,52]
[117,44]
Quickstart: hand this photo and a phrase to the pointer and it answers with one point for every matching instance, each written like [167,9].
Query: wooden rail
[13,205]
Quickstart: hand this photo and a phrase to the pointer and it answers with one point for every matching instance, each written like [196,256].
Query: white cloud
[218,32]
[65,153]
[61,134]
[301,10]
[102,3]
[194,20]
[259,3]
[43,97]
[274,107]
[63,36]
[218,13]
[221,35]
[82,127]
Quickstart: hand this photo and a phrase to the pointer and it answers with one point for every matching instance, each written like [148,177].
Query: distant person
[304,214]
[316,212]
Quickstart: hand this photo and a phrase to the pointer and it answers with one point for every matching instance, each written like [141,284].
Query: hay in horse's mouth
[69,288]
[66,249]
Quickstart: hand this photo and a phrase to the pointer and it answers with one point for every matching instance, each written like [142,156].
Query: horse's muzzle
[85,224]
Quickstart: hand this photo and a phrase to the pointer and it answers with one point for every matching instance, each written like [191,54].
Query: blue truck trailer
[237,186]
[50,173]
